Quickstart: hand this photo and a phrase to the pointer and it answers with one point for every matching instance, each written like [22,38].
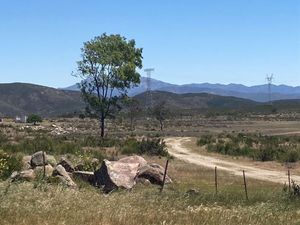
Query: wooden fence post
[216,180]
[44,165]
[165,174]
[245,184]
[289,179]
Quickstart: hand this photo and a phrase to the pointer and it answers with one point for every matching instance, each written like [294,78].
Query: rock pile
[126,172]
[111,175]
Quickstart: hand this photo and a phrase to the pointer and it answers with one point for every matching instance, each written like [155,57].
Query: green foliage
[155,146]
[33,118]
[108,64]
[205,139]
[8,164]
[95,141]
[258,147]
[50,145]
[161,113]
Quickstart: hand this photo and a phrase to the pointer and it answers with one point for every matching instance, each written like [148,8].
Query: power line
[149,102]
[270,79]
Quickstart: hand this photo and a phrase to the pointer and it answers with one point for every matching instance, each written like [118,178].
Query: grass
[21,203]
[44,203]
[256,146]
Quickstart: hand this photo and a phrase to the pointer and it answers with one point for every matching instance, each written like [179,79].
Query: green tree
[33,118]
[133,109]
[108,69]
[161,113]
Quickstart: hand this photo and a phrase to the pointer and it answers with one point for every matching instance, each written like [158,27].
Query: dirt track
[177,149]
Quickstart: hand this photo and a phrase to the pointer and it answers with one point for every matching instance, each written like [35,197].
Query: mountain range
[17,99]
[257,93]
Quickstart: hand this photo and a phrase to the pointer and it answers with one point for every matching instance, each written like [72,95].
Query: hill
[257,93]
[23,99]
[196,101]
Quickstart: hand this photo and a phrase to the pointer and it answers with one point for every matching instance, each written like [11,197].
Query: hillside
[196,101]
[257,93]
[23,99]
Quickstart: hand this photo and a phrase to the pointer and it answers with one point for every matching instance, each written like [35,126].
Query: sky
[186,41]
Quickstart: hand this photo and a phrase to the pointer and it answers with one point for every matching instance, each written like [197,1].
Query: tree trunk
[131,123]
[161,125]
[102,126]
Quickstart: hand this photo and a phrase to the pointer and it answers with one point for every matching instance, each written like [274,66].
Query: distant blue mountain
[257,93]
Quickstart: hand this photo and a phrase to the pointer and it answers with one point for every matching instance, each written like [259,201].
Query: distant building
[21,119]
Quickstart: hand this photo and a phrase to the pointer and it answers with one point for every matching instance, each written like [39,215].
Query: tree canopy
[108,69]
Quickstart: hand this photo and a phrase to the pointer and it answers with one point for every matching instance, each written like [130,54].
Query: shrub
[292,156]
[9,164]
[266,153]
[205,139]
[33,118]
[3,138]
[155,146]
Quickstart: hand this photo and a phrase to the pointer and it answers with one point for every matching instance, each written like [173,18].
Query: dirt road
[176,147]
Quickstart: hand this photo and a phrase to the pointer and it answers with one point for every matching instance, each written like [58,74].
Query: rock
[66,164]
[27,175]
[134,159]
[37,159]
[64,176]
[95,162]
[154,173]
[79,167]
[115,174]
[192,192]
[86,176]
[51,160]
[26,162]
[39,170]
[143,181]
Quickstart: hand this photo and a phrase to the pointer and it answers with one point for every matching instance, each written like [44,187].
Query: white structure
[21,119]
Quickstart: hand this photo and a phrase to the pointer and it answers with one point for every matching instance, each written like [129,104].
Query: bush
[292,156]
[9,164]
[33,118]
[205,139]
[155,146]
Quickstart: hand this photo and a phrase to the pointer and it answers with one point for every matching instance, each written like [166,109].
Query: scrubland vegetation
[190,199]
[257,146]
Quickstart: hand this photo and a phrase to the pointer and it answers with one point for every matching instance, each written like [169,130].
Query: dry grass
[28,203]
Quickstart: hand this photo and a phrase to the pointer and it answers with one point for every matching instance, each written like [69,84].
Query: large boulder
[115,174]
[85,176]
[27,175]
[39,170]
[63,175]
[134,159]
[66,164]
[26,162]
[154,173]
[51,160]
[37,159]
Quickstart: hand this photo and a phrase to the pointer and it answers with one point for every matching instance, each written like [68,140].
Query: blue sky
[186,41]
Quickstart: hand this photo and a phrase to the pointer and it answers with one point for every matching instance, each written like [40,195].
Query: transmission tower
[270,79]
[149,94]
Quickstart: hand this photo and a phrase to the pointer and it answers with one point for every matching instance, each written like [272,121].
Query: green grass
[26,203]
